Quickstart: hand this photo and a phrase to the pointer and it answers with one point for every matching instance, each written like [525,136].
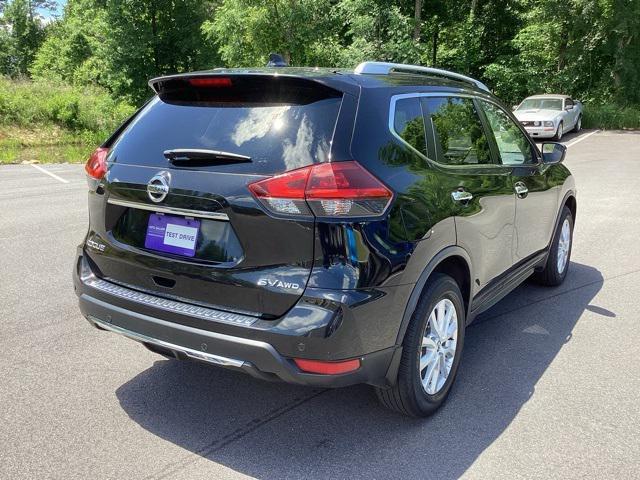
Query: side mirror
[569,107]
[515,107]
[553,152]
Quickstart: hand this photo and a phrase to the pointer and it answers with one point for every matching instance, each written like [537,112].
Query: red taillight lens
[96,166]
[344,180]
[327,368]
[211,82]
[340,189]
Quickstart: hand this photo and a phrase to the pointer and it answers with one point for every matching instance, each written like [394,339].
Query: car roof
[551,95]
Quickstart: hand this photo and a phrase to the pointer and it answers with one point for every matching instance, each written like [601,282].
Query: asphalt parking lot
[549,385]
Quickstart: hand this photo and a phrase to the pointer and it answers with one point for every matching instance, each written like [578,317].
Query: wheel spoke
[446,327]
[440,318]
[450,349]
[429,343]
[427,359]
[435,373]
[433,322]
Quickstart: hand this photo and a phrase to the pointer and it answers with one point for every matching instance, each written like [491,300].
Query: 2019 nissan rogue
[321,227]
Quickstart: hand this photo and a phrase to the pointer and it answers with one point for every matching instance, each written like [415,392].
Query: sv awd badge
[266,282]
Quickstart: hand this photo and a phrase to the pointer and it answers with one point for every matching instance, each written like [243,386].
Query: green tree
[305,32]
[151,38]
[22,33]
[74,48]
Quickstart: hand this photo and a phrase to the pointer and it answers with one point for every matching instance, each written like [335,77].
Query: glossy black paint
[358,280]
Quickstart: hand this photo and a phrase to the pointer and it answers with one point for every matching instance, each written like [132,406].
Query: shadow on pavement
[276,430]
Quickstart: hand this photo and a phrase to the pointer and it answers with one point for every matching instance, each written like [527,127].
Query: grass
[48,122]
[47,144]
[611,117]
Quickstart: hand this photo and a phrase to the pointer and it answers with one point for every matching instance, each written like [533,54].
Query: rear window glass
[277,137]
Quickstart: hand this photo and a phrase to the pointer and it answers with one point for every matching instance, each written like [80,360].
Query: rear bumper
[262,349]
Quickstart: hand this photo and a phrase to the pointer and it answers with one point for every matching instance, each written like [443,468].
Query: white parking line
[60,179]
[579,139]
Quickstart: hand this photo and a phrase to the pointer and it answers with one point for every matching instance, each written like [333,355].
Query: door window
[514,147]
[409,123]
[458,133]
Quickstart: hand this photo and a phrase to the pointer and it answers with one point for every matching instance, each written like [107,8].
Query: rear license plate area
[172,234]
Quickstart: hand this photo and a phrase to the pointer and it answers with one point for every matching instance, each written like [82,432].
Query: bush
[86,111]
[611,117]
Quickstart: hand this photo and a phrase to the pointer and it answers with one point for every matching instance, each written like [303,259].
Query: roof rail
[384,68]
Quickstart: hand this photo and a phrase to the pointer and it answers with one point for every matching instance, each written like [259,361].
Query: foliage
[247,31]
[152,38]
[89,112]
[610,116]
[21,33]
[589,49]
[73,49]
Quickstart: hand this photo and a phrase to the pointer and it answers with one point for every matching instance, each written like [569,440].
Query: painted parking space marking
[53,175]
[579,139]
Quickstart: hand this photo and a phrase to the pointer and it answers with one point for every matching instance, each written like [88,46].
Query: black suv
[321,227]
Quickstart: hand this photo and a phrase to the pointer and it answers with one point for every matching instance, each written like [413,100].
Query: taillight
[96,166]
[339,189]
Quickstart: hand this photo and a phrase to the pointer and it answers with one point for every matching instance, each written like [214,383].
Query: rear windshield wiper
[197,156]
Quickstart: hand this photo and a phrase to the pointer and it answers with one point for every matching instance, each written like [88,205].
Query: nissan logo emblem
[158,187]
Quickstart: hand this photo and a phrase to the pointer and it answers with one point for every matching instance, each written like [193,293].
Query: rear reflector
[96,166]
[339,189]
[327,368]
[211,82]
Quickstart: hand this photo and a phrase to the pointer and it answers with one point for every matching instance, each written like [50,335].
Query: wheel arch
[571,203]
[453,261]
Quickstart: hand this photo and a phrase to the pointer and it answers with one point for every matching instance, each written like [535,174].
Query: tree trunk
[418,21]
[434,51]
[474,7]
[154,33]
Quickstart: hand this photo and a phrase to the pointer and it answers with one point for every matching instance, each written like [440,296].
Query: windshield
[541,104]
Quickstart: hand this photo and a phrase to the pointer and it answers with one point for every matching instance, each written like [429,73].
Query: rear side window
[459,136]
[408,123]
[279,133]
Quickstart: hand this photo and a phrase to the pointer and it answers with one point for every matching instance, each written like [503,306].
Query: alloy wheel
[439,343]
[564,243]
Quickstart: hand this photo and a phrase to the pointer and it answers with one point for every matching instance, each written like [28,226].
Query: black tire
[559,132]
[408,396]
[550,274]
[578,125]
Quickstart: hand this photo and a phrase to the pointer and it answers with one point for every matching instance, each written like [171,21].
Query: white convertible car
[549,116]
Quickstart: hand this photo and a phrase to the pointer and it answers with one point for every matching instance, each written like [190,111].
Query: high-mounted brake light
[96,166]
[210,82]
[327,368]
[339,189]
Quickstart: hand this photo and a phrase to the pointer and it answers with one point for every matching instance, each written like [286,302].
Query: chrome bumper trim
[169,305]
[171,210]
[138,337]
